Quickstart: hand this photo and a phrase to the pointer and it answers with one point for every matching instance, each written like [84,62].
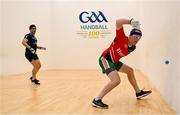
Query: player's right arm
[121,22]
[132,22]
[25,44]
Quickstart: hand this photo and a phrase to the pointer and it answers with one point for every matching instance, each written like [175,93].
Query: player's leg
[34,60]
[114,81]
[131,77]
[113,75]
[36,66]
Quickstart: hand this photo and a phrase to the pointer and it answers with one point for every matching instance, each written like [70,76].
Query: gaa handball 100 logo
[92,17]
[93,24]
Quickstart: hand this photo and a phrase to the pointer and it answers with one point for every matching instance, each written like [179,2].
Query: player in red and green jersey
[110,64]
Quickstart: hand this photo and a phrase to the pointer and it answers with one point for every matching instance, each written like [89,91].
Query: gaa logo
[92,17]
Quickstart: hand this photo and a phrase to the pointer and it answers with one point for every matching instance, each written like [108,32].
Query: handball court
[71,92]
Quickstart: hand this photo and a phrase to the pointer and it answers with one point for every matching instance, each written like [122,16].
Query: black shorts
[31,56]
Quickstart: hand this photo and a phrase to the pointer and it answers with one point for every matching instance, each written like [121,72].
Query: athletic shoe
[35,82]
[35,79]
[99,104]
[142,94]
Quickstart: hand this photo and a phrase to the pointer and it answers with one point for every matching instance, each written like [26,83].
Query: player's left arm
[41,48]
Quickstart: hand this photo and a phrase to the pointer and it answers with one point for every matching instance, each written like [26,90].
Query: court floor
[71,92]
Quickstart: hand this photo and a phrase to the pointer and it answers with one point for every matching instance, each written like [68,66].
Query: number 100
[93,34]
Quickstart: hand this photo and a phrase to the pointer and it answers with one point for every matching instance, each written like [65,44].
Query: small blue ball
[167,62]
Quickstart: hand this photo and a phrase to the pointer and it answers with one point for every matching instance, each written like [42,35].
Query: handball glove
[32,50]
[135,24]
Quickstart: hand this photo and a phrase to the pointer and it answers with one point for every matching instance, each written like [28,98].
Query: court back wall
[57,24]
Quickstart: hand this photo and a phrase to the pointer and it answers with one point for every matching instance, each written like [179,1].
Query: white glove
[32,50]
[135,24]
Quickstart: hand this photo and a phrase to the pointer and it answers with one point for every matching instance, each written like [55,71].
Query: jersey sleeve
[120,35]
[26,36]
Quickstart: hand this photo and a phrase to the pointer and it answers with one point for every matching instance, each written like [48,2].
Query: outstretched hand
[42,48]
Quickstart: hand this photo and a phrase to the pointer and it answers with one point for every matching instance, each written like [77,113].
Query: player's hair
[135,32]
[31,26]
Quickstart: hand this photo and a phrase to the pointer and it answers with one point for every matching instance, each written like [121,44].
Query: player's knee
[116,82]
[130,70]
[39,66]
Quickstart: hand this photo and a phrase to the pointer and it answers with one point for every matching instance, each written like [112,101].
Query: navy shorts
[31,56]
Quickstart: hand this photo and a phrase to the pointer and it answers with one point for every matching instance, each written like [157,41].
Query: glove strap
[130,20]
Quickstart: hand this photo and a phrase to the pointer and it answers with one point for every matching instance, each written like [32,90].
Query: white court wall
[0,39]
[178,104]
[57,23]
[161,42]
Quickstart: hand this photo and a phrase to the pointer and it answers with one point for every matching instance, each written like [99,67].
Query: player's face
[33,30]
[134,39]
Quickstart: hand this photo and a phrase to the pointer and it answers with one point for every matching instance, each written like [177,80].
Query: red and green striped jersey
[119,47]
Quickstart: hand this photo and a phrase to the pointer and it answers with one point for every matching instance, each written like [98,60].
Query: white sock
[138,91]
[97,98]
